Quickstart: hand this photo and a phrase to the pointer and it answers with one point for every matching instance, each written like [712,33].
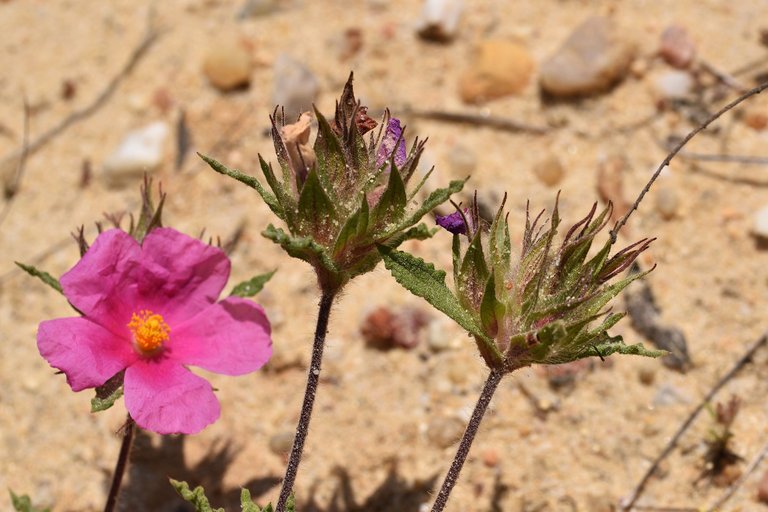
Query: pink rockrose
[151,310]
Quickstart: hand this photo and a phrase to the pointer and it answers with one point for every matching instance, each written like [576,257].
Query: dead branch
[676,150]
[497,123]
[628,503]
[12,187]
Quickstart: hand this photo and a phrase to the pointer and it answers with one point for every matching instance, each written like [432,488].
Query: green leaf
[252,182]
[195,496]
[490,307]
[42,275]
[473,274]
[253,286]
[303,248]
[330,156]
[391,205]
[355,228]
[617,346]
[247,504]
[102,404]
[316,210]
[23,503]
[425,281]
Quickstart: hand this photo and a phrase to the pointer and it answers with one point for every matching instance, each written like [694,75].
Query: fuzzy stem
[122,463]
[466,440]
[313,378]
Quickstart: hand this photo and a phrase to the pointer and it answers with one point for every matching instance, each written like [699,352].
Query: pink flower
[151,310]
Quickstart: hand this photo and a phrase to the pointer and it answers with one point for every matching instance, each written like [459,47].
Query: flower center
[149,331]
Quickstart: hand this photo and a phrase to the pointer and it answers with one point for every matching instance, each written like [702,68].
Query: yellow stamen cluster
[149,331]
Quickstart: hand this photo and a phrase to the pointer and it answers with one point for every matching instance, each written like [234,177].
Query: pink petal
[180,275]
[164,397]
[231,337]
[102,285]
[86,352]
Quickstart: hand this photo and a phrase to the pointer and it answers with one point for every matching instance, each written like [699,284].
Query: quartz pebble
[139,152]
[462,160]
[591,60]
[667,202]
[281,443]
[438,339]
[760,223]
[677,48]
[673,85]
[227,65]
[295,87]
[445,432]
[549,170]
[499,68]
[440,20]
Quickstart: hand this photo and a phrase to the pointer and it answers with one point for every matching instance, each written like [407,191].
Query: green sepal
[316,209]
[328,150]
[194,496]
[456,256]
[253,286]
[500,246]
[490,308]
[425,281]
[108,393]
[42,275]
[473,274]
[303,248]
[252,182]
[354,229]
[149,217]
[391,205]
[616,345]
[23,503]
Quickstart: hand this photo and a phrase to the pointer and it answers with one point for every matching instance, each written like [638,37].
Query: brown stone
[227,65]
[499,68]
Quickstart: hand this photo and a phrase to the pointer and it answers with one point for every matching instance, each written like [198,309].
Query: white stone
[440,19]
[674,85]
[760,223]
[295,87]
[139,152]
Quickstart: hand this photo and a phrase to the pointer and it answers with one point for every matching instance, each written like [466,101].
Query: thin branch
[79,115]
[13,188]
[739,159]
[497,123]
[676,150]
[748,471]
[628,503]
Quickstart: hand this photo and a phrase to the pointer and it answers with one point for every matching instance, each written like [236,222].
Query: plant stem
[313,378]
[122,463]
[466,440]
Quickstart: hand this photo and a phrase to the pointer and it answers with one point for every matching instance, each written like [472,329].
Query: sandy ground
[374,407]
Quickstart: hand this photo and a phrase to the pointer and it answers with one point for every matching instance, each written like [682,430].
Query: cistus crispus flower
[544,306]
[150,310]
[346,193]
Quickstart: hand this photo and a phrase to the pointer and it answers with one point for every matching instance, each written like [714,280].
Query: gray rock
[444,432]
[549,170]
[667,202]
[591,60]
[673,85]
[281,443]
[677,48]
[760,223]
[139,152]
[295,87]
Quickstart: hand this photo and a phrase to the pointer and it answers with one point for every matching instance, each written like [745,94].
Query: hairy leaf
[23,503]
[42,275]
[194,496]
[253,286]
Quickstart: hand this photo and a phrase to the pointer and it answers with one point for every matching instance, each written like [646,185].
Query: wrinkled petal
[453,222]
[164,397]
[86,352]
[102,285]
[180,275]
[392,145]
[231,337]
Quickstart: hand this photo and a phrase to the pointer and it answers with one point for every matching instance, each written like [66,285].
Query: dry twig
[629,503]
[497,123]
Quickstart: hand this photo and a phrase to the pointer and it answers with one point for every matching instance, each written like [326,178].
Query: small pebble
[757,120]
[762,489]
[673,85]
[593,58]
[549,170]
[646,376]
[491,458]
[498,68]
[281,443]
[295,87]
[385,329]
[139,152]
[668,394]
[440,20]
[667,202]
[677,48]
[462,160]
[445,432]
[227,65]
[760,223]
[438,339]
[254,8]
